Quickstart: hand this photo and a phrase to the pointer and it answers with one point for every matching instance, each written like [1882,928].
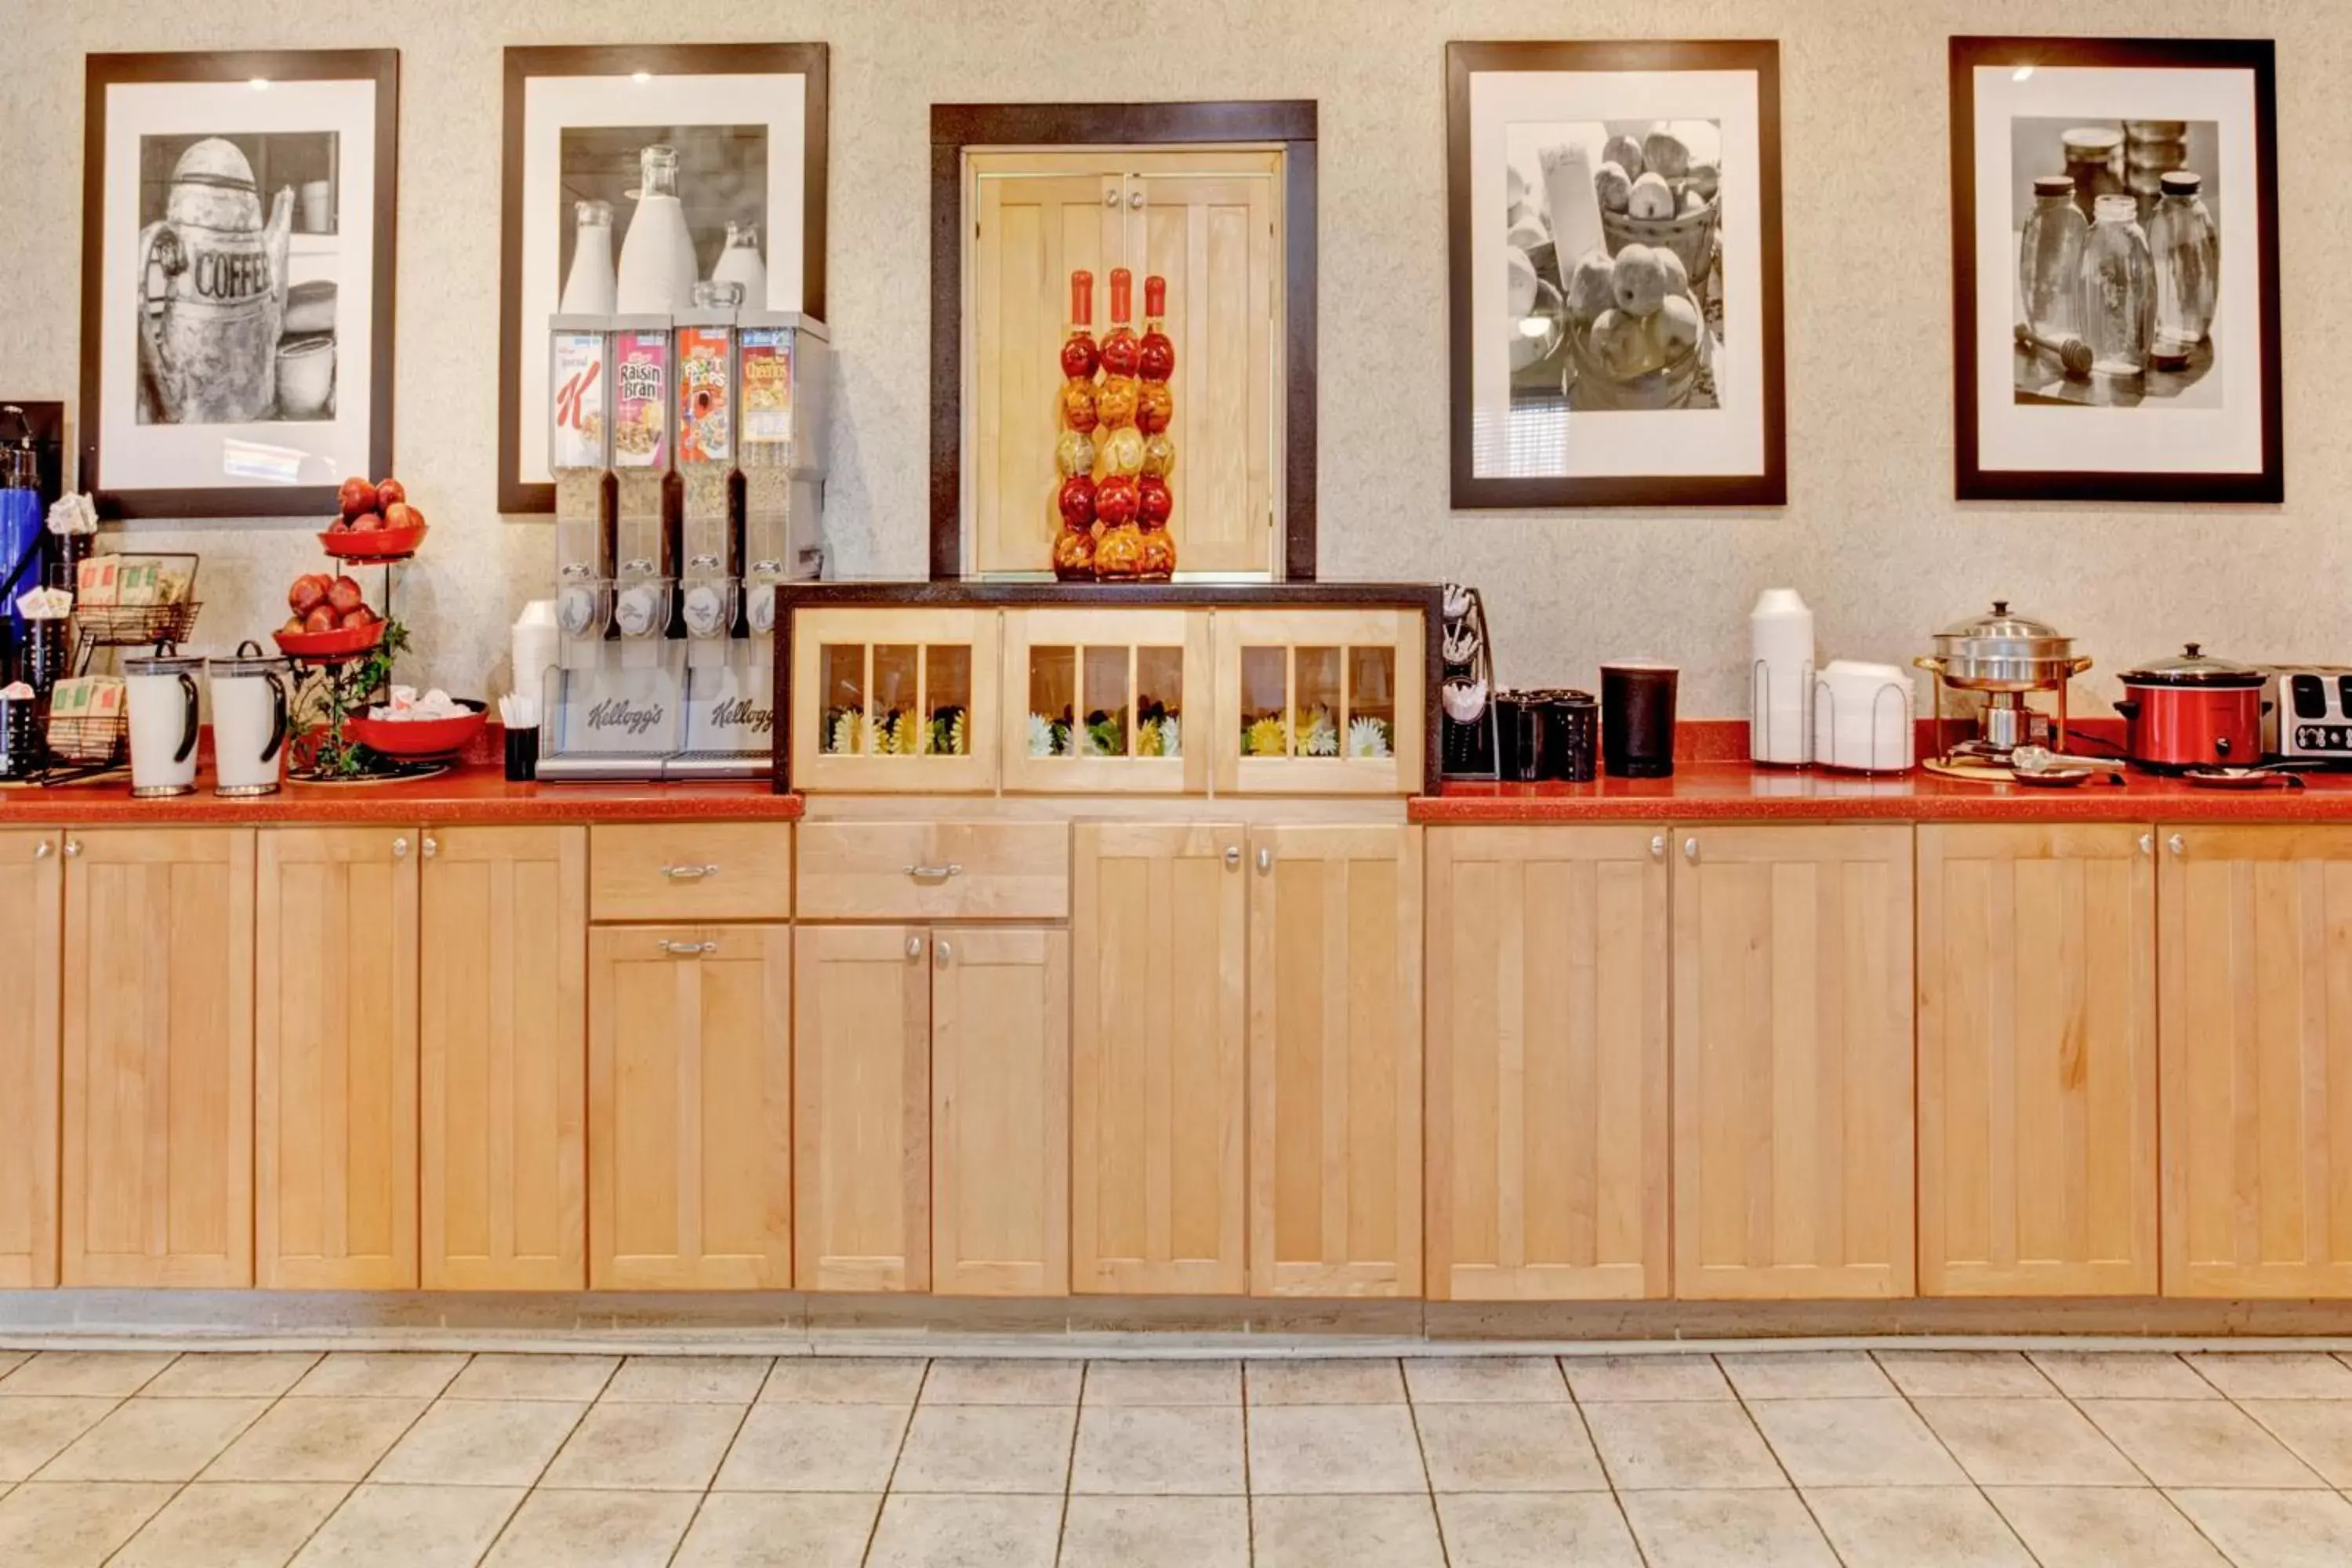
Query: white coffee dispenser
[249,721]
[162,696]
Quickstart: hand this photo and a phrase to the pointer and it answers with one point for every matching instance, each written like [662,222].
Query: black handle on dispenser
[187,719]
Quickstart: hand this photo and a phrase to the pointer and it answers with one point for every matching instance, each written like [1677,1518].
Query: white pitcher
[161,687]
[249,721]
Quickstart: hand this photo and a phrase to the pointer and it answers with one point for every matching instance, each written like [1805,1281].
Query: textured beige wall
[1871,533]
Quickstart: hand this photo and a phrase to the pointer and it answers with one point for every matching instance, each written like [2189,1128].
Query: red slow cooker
[2193,712]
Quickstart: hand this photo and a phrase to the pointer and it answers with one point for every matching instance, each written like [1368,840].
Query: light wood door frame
[2254,928]
[335,1006]
[725,1143]
[32,928]
[2037,1092]
[1000,1113]
[1787,936]
[1548,1056]
[195,1131]
[503,1163]
[870,1137]
[1160,1061]
[1327,1076]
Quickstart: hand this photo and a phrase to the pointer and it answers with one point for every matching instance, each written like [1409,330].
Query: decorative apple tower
[1073,449]
[1155,407]
[1118,551]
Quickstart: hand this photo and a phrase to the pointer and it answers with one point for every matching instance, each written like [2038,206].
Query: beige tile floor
[1902,1458]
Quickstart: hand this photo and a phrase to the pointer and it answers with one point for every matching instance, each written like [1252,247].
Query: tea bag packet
[45,603]
[140,582]
[73,514]
[97,581]
[17,692]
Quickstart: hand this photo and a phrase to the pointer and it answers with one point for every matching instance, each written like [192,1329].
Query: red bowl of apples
[373,522]
[331,620]
[406,738]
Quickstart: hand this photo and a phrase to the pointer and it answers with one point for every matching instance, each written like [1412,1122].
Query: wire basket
[88,742]
[135,626]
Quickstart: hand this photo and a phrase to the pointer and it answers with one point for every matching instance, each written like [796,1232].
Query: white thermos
[1781,677]
[160,690]
[532,648]
[249,721]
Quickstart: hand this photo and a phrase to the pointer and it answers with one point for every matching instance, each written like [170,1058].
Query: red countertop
[469,793]
[1727,790]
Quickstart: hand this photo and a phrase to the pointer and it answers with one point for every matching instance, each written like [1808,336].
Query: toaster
[2307,714]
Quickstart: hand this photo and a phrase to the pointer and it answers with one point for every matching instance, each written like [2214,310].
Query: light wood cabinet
[503,1058]
[862,1104]
[1319,701]
[32,931]
[690,1108]
[2254,961]
[1000,1113]
[1792,1089]
[335,1000]
[901,699]
[1159,1060]
[157,1114]
[2037,1060]
[1335,1060]
[1548,1062]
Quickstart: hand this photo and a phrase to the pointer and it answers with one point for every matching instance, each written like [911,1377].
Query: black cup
[20,737]
[1517,745]
[1637,720]
[522,755]
[1569,747]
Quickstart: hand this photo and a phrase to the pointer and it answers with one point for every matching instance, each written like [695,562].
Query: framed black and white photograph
[2115,261]
[237,243]
[1614,217]
[633,173]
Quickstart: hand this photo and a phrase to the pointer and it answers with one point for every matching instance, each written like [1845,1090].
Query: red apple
[358,617]
[343,594]
[356,496]
[400,514]
[340,524]
[308,592]
[367,522]
[292,628]
[387,492]
[321,619]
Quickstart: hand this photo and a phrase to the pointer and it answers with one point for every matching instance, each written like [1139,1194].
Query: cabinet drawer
[690,871]
[935,870]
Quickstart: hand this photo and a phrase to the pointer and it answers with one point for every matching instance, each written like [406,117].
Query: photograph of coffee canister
[1637,717]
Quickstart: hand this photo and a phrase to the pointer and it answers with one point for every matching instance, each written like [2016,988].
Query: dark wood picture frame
[1974,481]
[810,61]
[1767,487]
[956,126]
[381,66]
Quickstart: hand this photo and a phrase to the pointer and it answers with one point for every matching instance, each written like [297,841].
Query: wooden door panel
[2254,962]
[862,1101]
[335,1060]
[1001,1112]
[157,1136]
[2037,1060]
[689,1102]
[1548,1064]
[1334,1061]
[1793,1063]
[504,1060]
[32,930]
[1159,1070]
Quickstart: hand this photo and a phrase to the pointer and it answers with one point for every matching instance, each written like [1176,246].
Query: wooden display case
[1083,689]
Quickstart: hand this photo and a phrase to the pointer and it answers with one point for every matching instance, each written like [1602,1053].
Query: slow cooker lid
[2195,668]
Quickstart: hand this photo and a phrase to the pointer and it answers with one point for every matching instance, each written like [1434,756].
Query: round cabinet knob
[1658,847]
[432,847]
[1265,860]
[41,851]
[1111,198]
[1135,200]
[2176,843]
[73,847]
[914,947]
[1233,856]
[2148,842]
[400,848]
[1690,850]
[944,954]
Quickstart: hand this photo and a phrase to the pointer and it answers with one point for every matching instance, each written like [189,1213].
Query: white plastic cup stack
[1781,677]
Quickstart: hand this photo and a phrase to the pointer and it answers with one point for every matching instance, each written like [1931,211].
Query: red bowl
[418,737]
[375,544]
[343,643]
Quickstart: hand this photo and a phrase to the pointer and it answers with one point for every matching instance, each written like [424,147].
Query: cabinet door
[2037,1061]
[895,701]
[1317,702]
[2254,961]
[861,1108]
[334,1121]
[504,1058]
[32,928]
[1793,1063]
[690,1108]
[1334,1061]
[158,1031]
[1548,1062]
[1001,1112]
[1159,1061]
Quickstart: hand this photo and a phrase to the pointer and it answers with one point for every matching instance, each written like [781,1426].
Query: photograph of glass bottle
[2118,262]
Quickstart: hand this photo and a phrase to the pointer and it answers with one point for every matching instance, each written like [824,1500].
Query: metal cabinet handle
[1233,856]
[400,847]
[1264,860]
[2176,845]
[914,947]
[1690,850]
[41,850]
[2148,842]
[1111,198]
[432,847]
[687,949]
[943,952]
[1135,199]
[689,873]
[73,847]
[1658,847]
[933,873]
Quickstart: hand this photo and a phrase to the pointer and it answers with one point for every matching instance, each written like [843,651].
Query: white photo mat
[553,104]
[274,453]
[1729,440]
[2149,437]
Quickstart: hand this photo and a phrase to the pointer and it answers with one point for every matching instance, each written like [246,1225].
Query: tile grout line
[712,1481]
[2141,1470]
[1249,1484]
[1584,1423]
[1070,1467]
[882,1503]
[1420,1450]
[531,1488]
[1974,1486]
[149,1382]
[1781,1465]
